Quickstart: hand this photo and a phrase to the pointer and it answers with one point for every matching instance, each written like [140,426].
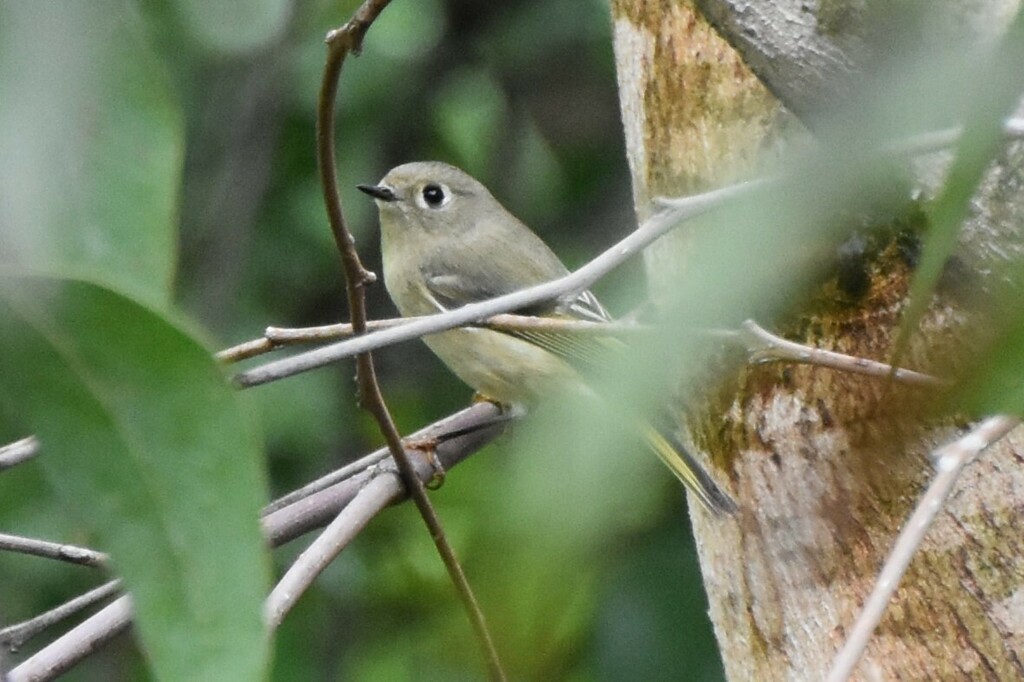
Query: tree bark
[825,466]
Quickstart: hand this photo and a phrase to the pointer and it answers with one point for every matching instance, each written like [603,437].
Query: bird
[446,242]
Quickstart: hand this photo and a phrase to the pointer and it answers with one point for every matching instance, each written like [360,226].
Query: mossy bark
[826,466]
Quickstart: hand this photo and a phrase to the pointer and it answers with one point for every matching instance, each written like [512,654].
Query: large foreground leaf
[144,440]
[93,143]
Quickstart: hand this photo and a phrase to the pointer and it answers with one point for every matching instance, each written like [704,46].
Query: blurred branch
[761,345]
[72,554]
[340,43]
[950,461]
[16,635]
[355,494]
[1013,129]
[19,451]
[457,437]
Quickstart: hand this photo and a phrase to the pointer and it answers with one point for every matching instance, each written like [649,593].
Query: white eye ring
[433,195]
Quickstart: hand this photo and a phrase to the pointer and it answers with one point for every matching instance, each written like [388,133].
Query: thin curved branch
[275,338]
[340,43]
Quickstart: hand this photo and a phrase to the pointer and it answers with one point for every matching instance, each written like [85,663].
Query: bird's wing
[586,307]
[469,274]
[486,263]
[453,290]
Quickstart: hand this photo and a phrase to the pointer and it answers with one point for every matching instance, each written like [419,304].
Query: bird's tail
[690,472]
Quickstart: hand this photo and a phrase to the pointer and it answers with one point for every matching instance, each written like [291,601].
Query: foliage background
[585,572]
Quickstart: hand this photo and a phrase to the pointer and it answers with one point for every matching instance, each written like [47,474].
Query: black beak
[378,192]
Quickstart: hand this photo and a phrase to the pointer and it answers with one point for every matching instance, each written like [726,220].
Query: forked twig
[275,338]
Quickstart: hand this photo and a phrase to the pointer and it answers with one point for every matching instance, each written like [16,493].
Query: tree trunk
[825,466]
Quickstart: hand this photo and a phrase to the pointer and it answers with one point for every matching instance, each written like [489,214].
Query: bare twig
[950,461]
[339,44]
[275,338]
[567,286]
[19,451]
[246,350]
[763,346]
[376,486]
[53,550]
[16,635]
[377,494]
[76,644]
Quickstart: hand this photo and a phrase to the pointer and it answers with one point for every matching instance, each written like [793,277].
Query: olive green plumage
[446,242]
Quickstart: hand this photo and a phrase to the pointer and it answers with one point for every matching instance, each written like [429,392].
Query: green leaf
[231,26]
[996,383]
[1000,81]
[469,113]
[93,147]
[144,440]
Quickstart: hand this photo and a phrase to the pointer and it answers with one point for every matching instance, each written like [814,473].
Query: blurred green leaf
[144,440]
[470,109]
[651,625]
[93,147]
[408,30]
[233,26]
[997,89]
[996,383]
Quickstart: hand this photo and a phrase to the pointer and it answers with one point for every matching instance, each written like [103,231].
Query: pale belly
[526,373]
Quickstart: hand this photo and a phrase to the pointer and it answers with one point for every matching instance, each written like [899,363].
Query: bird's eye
[433,195]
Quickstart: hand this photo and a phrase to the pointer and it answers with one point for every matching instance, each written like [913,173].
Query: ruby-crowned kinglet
[446,242]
